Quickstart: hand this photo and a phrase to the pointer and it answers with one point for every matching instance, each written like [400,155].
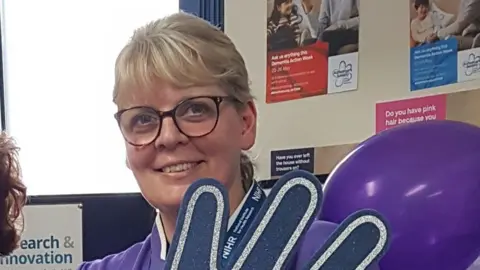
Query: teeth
[179,167]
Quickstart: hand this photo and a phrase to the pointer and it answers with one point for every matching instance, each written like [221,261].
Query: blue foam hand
[273,237]
[359,241]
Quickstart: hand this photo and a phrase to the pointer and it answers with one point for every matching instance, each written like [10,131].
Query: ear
[249,125]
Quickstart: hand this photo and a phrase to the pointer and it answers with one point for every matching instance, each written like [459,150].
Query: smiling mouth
[178,168]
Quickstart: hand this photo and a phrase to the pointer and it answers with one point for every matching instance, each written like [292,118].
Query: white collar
[163,237]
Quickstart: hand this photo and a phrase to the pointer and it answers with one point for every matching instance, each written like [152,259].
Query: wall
[336,118]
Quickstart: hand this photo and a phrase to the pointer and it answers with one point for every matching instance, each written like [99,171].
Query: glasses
[194,117]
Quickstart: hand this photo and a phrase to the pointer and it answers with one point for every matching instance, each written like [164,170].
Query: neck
[235,195]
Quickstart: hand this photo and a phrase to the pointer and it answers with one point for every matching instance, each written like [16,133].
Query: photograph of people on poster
[444,41]
[312,48]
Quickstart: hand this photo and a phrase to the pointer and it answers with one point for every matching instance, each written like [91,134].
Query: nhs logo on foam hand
[229,245]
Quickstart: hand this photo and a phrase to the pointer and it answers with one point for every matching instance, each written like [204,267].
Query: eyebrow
[153,106]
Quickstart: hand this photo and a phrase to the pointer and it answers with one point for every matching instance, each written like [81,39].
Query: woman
[12,195]
[283,26]
[339,25]
[186,112]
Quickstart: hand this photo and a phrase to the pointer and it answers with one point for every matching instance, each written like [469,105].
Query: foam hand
[359,241]
[271,240]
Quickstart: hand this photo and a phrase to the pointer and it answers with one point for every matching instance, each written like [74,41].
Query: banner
[52,239]
[312,48]
[444,41]
[458,106]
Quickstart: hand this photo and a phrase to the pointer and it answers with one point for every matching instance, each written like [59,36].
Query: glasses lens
[140,125]
[197,117]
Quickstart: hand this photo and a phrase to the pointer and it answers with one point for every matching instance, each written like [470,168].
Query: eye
[144,122]
[196,110]
[143,119]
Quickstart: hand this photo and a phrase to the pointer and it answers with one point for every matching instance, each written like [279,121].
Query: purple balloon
[315,238]
[424,178]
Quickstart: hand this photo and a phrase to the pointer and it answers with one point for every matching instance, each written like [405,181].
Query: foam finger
[287,213]
[201,227]
[358,242]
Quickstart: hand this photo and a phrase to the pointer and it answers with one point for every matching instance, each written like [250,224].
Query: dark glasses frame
[172,113]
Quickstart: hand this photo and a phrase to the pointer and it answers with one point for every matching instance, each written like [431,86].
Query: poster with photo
[444,42]
[312,48]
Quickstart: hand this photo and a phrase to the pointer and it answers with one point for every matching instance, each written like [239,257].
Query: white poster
[52,239]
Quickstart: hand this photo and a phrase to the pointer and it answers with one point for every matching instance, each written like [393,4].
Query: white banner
[52,239]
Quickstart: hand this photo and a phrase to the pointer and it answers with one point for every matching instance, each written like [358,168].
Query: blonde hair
[186,51]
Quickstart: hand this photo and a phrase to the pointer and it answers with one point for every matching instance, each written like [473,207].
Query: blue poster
[444,42]
[433,65]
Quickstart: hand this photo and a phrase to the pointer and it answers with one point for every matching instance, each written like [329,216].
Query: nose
[170,136]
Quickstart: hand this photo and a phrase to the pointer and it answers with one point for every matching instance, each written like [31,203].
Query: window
[58,70]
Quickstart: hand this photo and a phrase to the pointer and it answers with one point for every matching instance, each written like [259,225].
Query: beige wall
[332,119]
[464,106]
[327,157]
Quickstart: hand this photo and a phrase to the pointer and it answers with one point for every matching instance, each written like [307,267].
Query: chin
[169,198]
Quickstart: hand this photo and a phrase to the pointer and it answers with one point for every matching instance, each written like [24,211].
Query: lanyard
[253,202]
[246,215]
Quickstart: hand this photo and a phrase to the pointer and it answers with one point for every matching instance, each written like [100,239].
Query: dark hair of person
[12,195]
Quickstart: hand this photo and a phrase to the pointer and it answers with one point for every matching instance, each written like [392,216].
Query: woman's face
[422,11]
[285,8]
[165,168]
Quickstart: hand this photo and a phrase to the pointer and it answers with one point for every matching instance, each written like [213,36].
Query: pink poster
[390,114]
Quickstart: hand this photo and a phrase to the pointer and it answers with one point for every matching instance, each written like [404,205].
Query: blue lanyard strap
[245,217]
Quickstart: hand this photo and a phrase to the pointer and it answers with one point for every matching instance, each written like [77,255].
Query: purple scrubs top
[146,255]
[149,255]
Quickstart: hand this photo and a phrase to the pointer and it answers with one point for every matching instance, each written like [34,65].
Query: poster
[458,106]
[312,48]
[52,239]
[391,114]
[444,42]
[317,160]
[283,161]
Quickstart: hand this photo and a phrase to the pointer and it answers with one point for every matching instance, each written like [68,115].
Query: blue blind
[210,10]
[3,117]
